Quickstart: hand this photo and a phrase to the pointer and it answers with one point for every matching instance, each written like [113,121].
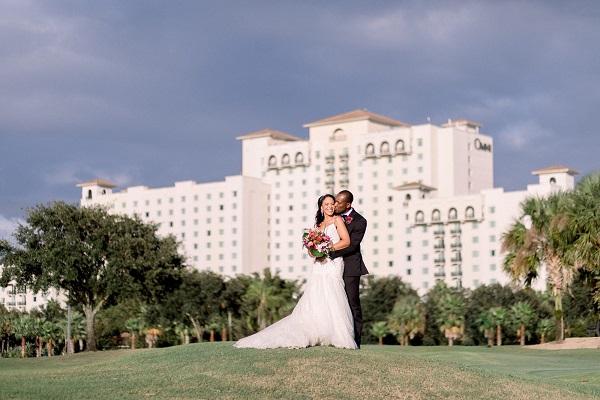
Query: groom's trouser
[352,292]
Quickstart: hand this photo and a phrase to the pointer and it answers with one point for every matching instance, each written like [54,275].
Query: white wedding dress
[321,317]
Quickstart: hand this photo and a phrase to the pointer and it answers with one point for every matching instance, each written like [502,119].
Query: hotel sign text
[482,146]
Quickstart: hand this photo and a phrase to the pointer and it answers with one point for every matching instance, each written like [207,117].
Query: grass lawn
[218,371]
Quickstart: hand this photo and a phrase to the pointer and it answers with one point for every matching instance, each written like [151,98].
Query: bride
[322,315]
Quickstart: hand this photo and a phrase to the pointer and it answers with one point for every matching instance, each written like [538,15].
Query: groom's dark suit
[354,267]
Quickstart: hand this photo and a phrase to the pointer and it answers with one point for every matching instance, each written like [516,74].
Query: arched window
[407,197]
[89,196]
[469,212]
[370,150]
[452,214]
[272,161]
[400,146]
[285,160]
[337,134]
[385,148]
[419,217]
[435,216]
[299,158]
[103,191]
[553,181]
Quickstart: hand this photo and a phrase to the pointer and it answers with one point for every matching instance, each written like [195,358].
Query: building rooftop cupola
[90,190]
[557,176]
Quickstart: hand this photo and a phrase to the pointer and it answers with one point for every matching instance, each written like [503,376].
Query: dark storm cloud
[149,92]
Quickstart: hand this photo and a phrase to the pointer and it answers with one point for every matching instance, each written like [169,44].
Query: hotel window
[159,201]
[492,210]
[170,200]
[492,238]
[370,149]
[419,142]
[399,146]
[492,224]
[475,253]
[183,210]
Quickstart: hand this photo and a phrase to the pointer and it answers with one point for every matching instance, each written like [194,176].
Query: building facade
[427,192]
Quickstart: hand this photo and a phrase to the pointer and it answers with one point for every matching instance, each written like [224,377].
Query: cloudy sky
[148,93]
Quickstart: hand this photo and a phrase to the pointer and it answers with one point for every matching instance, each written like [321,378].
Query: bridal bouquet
[317,242]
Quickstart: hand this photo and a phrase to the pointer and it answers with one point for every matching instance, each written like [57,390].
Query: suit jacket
[353,261]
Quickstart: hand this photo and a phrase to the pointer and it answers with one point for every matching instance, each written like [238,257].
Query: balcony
[439,230]
[457,258]
[330,170]
[440,260]
[330,182]
[21,303]
[456,245]
[439,245]
[344,156]
[439,274]
[11,303]
[456,231]
[457,274]
[329,159]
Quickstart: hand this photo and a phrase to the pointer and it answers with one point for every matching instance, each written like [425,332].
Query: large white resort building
[427,192]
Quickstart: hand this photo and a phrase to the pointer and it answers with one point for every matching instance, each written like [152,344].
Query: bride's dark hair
[320,216]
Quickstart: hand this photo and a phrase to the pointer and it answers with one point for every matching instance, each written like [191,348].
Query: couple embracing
[329,312]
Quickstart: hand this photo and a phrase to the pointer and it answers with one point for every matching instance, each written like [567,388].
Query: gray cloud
[148,93]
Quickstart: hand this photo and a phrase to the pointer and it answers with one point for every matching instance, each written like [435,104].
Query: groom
[354,266]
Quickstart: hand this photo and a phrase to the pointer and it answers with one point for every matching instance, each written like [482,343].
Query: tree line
[210,307]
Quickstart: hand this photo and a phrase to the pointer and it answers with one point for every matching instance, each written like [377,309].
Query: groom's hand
[321,259]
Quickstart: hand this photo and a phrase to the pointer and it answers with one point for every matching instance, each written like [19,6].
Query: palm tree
[499,316]
[486,326]
[534,241]
[133,326]
[6,328]
[269,303]
[152,336]
[544,327]
[38,331]
[78,329]
[379,330]
[406,319]
[183,331]
[50,332]
[452,319]
[22,330]
[581,226]
[215,323]
[522,314]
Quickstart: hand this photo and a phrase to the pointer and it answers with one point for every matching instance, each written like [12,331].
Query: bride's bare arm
[343,232]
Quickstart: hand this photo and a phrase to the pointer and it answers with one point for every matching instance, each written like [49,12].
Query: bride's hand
[321,259]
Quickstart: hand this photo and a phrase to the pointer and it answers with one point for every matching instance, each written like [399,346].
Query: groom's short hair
[347,195]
